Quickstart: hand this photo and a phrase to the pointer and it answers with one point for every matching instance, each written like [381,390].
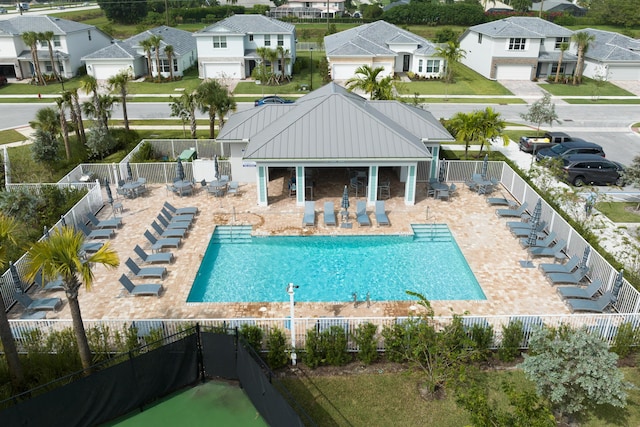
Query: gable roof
[371,40]
[244,24]
[41,23]
[609,46]
[117,50]
[521,26]
[333,123]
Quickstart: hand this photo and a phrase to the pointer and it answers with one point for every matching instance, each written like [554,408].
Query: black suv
[568,148]
[581,169]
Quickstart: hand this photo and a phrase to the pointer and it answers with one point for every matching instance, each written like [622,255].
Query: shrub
[511,340]
[365,338]
[397,339]
[277,349]
[253,335]
[626,340]
[482,338]
[145,153]
[335,343]
[314,355]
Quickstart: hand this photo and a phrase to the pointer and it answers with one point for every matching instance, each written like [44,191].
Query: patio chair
[158,272]
[95,234]
[356,184]
[525,230]
[361,213]
[144,289]
[176,218]
[160,257]
[568,267]
[594,306]
[232,190]
[549,251]
[540,243]
[224,178]
[181,225]
[40,304]
[381,215]
[159,244]
[105,223]
[188,210]
[452,190]
[329,214]
[91,247]
[52,285]
[501,201]
[579,291]
[384,190]
[512,212]
[168,232]
[569,278]
[309,218]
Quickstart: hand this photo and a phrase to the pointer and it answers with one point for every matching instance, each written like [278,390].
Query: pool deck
[492,252]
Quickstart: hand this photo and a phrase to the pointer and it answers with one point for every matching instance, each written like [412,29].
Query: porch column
[372,190]
[410,186]
[435,155]
[263,179]
[300,186]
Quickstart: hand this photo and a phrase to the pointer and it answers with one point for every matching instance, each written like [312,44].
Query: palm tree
[465,128]
[490,125]
[102,113]
[46,120]
[224,105]
[284,56]
[452,54]
[64,128]
[185,108]
[48,36]
[272,57]
[210,95]
[120,83]
[155,41]
[8,227]
[582,39]
[61,255]
[77,114]
[385,89]
[89,85]
[146,46]
[563,48]
[366,80]
[31,39]
[168,50]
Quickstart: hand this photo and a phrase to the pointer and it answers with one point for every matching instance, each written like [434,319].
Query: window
[175,65]
[419,65]
[56,41]
[267,40]
[479,38]
[250,37]
[560,40]
[433,66]
[280,39]
[554,69]
[219,42]
[516,43]
[164,65]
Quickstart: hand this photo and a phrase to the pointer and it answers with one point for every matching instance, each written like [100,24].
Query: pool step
[431,232]
[232,234]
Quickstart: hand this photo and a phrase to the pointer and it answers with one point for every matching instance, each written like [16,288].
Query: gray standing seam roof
[609,46]
[244,24]
[521,26]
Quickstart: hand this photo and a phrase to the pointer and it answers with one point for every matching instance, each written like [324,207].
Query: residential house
[71,41]
[309,9]
[380,44]
[517,48]
[130,55]
[228,48]
[558,6]
[611,56]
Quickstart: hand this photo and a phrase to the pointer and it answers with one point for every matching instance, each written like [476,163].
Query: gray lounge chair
[361,213]
[309,218]
[189,210]
[568,267]
[144,289]
[95,234]
[158,272]
[329,214]
[513,212]
[571,278]
[159,244]
[176,218]
[160,257]
[501,201]
[549,251]
[181,225]
[381,215]
[525,228]
[90,247]
[579,291]
[105,223]
[54,285]
[595,306]
[169,232]
[39,304]
[540,243]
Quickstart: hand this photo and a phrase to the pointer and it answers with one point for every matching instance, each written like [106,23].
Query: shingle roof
[244,24]
[371,40]
[117,50]
[521,26]
[36,23]
[332,123]
[609,46]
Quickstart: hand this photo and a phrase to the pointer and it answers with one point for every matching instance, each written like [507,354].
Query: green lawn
[467,82]
[10,135]
[620,211]
[587,88]
[188,82]
[601,101]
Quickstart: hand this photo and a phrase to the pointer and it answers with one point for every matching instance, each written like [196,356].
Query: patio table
[438,187]
[217,188]
[183,187]
[130,188]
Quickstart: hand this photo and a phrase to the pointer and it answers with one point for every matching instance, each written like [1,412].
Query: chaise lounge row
[309,217]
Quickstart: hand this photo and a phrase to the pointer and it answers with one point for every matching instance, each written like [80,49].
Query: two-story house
[309,9]
[71,41]
[228,49]
[517,48]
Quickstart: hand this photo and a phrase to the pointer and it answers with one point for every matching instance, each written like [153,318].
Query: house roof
[244,24]
[372,40]
[117,50]
[609,46]
[41,23]
[555,6]
[521,26]
[333,123]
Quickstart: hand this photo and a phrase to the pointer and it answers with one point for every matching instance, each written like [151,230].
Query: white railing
[170,149]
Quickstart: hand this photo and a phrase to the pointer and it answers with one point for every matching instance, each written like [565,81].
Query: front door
[405,63]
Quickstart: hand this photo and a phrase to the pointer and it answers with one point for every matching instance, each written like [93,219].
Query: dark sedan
[273,99]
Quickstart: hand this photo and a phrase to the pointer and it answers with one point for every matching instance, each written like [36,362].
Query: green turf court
[213,403]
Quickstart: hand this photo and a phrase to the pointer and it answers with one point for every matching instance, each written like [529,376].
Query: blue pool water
[331,269]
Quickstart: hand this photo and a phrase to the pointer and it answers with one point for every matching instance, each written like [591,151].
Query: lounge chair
[176,218]
[309,218]
[595,306]
[361,213]
[105,223]
[540,243]
[52,285]
[95,234]
[33,315]
[39,304]
[501,201]
[90,247]
[181,225]
[568,267]
[159,244]
[190,210]
[160,257]
[512,212]
[579,291]
[144,289]
[381,216]
[570,278]
[549,251]
[524,232]
[232,190]
[158,272]
[329,214]
[168,232]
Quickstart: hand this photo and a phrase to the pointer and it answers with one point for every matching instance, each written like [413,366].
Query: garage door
[513,72]
[343,71]
[623,73]
[222,70]
[105,71]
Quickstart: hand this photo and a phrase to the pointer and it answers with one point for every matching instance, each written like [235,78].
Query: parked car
[533,144]
[273,99]
[3,10]
[568,148]
[581,169]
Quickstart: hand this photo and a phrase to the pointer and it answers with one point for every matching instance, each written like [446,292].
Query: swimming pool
[331,269]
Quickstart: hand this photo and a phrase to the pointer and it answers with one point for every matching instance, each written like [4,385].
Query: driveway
[524,89]
[632,86]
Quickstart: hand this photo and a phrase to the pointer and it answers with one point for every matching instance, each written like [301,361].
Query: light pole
[291,290]
[311,75]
